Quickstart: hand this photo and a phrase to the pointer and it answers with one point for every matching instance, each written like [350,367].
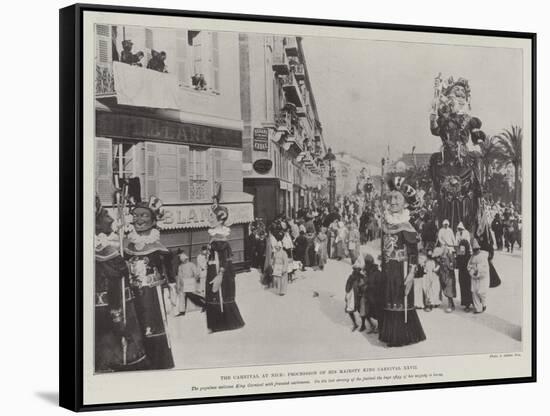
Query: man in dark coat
[300,246]
[375,289]
[429,231]
[363,223]
[498,229]
[486,243]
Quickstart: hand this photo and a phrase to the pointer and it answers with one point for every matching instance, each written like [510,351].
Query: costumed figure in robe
[222,312]
[400,324]
[147,259]
[455,170]
[118,339]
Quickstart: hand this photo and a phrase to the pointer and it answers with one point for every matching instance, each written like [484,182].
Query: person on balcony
[157,61]
[127,56]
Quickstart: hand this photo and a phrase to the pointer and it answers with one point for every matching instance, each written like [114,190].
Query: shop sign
[263,166]
[260,139]
[143,128]
[198,216]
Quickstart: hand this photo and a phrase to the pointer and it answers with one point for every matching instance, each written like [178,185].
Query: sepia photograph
[285,197]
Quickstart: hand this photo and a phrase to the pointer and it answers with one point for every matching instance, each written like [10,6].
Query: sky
[373,93]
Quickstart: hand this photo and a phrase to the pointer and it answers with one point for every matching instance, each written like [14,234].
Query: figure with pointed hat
[461,233]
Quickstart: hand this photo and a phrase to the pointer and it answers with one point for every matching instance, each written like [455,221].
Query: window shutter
[151,169]
[148,44]
[148,38]
[215,62]
[167,172]
[183,173]
[104,170]
[197,54]
[181,58]
[217,166]
[104,50]
[208,171]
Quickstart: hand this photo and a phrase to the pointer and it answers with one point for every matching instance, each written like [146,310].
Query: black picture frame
[71,213]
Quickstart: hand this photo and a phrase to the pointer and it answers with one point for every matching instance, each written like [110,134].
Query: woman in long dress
[354,241]
[340,241]
[447,277]
[321,245]
[432,286]
[222,312]
[280,269]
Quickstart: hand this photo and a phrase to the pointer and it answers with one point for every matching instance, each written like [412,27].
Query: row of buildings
[225,110]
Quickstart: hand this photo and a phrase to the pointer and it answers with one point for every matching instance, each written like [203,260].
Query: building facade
[350,171]
[172,130]
[283,144]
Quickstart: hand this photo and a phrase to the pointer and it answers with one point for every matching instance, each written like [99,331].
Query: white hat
[460,226]
[445,222]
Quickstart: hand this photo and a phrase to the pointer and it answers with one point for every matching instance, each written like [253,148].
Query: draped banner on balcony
[143,87]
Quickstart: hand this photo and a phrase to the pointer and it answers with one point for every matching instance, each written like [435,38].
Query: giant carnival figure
[119,343]
[399,324]
[147,258]
[455,170]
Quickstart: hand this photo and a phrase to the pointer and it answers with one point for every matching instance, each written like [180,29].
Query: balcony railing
[104,81]
[291,46]
[280,63]
[292,90]
[299,71]
[283,121]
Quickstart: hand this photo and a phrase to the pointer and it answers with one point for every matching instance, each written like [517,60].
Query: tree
[490,153]
[508,152]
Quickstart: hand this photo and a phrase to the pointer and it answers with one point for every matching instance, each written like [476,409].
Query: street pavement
[309,323]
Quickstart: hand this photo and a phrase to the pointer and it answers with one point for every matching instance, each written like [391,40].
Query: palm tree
[508,152]
[490,153]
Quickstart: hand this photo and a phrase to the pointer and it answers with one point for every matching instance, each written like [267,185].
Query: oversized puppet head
[454,96]
[146,214]
[218,216]
[402,195]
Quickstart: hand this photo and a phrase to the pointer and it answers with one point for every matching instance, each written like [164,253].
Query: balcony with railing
[291,46]
[283,121]
[104,81]
[280,63]
[299,71]
[292,90]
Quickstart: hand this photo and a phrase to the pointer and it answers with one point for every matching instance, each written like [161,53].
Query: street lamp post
[331,178]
